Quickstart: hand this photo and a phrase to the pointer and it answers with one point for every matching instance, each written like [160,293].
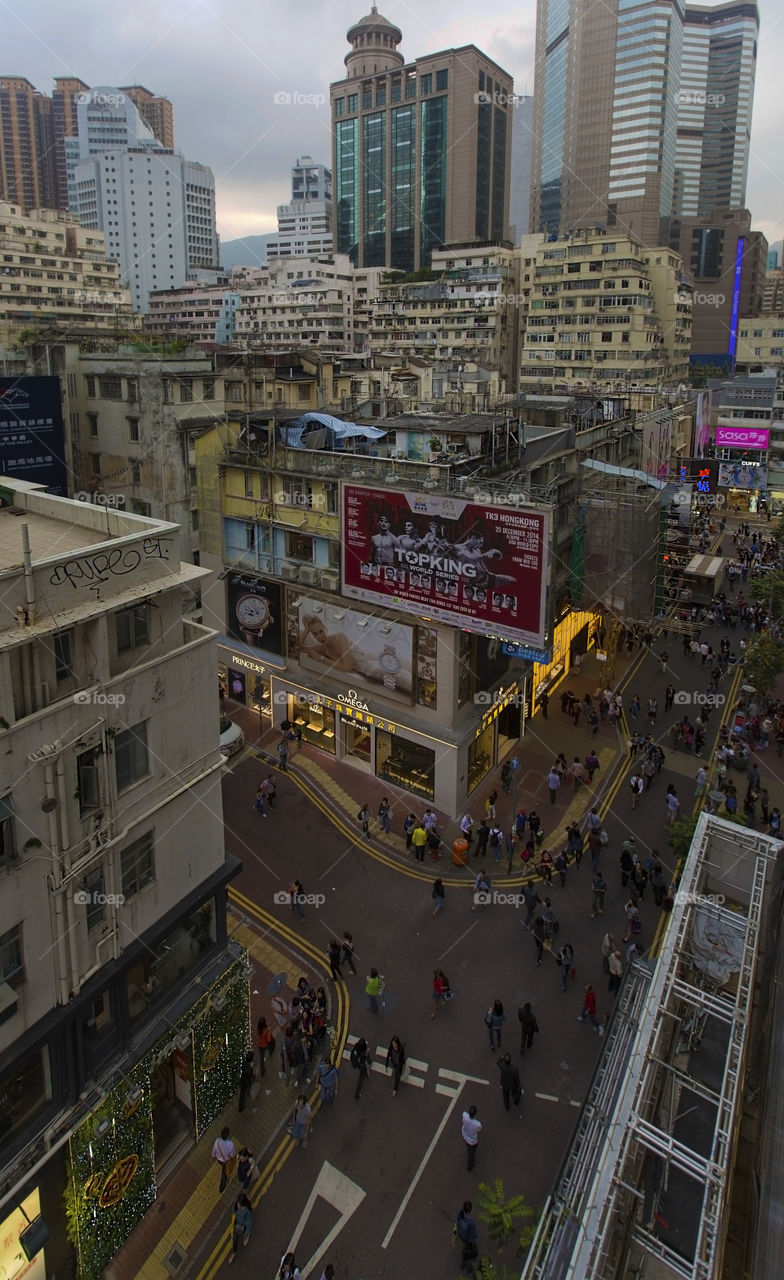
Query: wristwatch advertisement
[253,616]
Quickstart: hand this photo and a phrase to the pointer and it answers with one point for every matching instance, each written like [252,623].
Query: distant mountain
[250,251]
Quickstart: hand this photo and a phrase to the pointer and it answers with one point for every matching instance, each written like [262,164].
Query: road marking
[339,1192]
[448,1091]
[575,1102]
[460,1077]
[422,1166]
[412,1064]
[547,1097]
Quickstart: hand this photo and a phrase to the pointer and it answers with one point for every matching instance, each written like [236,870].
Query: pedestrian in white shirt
[471,1131]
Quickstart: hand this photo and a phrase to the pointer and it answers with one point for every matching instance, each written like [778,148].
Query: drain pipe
[57,889]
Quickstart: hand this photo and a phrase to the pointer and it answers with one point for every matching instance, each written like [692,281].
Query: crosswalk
[447,1083]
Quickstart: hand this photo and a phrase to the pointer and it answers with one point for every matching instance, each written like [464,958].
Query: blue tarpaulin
[321,431]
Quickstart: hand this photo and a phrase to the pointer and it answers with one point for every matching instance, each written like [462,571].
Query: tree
[769,592]
[680,835]
[764,662]
[504,1219]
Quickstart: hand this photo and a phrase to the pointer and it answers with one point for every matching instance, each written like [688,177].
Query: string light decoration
[111,1168]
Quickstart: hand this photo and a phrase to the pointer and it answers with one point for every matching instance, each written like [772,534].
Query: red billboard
[481,568]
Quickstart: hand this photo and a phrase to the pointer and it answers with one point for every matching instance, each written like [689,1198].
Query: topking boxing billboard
[482,568]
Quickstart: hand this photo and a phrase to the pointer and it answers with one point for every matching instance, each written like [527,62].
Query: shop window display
[426,657]
[317,723]
[406,764]
[480,757]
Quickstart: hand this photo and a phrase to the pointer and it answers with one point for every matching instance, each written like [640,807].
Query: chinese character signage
[742,437]
[32,441]
[477,567]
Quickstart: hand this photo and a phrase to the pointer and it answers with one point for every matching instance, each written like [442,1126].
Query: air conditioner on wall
[288,569]
[309,574]
[330,579]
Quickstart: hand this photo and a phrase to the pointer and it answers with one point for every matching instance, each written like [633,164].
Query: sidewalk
[190,1214]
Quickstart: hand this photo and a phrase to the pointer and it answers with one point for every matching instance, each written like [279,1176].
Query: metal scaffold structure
[620,519]
[645,1186]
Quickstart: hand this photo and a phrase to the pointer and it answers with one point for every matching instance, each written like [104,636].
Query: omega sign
[352,699]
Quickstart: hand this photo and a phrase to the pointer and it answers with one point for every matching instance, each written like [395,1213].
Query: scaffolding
[645,1183]
[621,518]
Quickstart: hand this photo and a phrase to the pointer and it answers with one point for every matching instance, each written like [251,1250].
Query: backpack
[354,1057]
[495,839]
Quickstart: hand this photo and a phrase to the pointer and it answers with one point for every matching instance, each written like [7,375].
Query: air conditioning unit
[289,569]
[310,575]
[330,579]
[265,564]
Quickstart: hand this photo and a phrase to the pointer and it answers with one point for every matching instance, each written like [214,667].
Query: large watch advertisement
[482,568]
[253,612]
[369,654]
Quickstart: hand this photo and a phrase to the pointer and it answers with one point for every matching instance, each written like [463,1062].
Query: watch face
[390,663]
[252,612]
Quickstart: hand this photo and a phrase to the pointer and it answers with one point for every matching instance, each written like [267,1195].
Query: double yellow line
[285,1146]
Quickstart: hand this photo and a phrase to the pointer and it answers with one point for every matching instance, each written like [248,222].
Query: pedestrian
[264,1043]
[673,804]
[327,1076]
[639,880]
[548,919]
[578,773]
[482,889]
[539,939]
[373,988]
[280,1009]
[627,860]
[363,818]
[360,1060]
[300,1121]
[441,990]
[288,1268]
[608,946]
[494,1021]
[419,840]
[633,922]
[438,895]
[246,1167]
[471,1130]
[560,865]
[246,1079]
[384,815]
[535,827]
[348,951]
[702,781]
[653,711]
[764,801]
[637,785]
[490,805]
[328,1273]
[243,1221]
[529,1027]
[543,704]
[510,1081]
[408,826]
[283,754]
[669,697]
[335,956]
[592,763]
[296,894]
[467,828]
[657,878]
[269,790]
[531,899]
[224,1153]
[482,837]
[553,783]
[565,960]
[598,890]
[506,777]
[496,841]
[589,1009]
[615,968]
[466,1232]
[663,660]
[396,1061]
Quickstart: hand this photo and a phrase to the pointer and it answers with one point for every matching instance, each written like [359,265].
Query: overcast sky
[222,61]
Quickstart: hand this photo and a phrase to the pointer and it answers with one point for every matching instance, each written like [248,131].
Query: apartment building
[156,112]
[196,312]
[760,343]
[116,975]
[305,223]
[313,302]
[27,156]
[466,312]
[591,314]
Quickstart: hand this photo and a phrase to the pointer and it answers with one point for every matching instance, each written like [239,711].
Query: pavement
[186,1232]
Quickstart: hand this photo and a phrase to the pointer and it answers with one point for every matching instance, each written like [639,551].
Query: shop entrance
[510,725]
[357,741]
[172,1111]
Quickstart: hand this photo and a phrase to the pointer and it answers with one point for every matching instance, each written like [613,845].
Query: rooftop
[48,536]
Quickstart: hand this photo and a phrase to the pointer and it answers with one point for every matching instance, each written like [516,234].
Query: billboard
[253,613]
[32,439]
[742,437]
[743,475]
[472,566]
[368,654]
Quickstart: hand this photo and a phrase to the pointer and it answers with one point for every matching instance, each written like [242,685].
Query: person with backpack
[637,785]
[360,1061]
[496,839]
[466,1232]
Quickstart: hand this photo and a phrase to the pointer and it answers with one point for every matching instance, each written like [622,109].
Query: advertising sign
[368,654]
[743,475]
[742,438]
[253,612]
[32,439]
[477,567]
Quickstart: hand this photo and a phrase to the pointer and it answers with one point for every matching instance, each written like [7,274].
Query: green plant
[764,662]
[504,1218]
[681,833]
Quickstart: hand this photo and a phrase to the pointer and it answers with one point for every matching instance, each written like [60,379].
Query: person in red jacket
[589,1010]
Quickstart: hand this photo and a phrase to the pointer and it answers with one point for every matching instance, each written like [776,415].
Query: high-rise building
[106,120]
[65,97]
[157,113]
[718,66]
[641,111]
[520,178]
[27,159]
[421,151]
[726,261]
[305,223]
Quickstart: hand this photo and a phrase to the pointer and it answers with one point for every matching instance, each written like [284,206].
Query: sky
[222,62]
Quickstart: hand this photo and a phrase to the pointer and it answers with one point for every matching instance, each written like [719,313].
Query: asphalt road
[382,1178]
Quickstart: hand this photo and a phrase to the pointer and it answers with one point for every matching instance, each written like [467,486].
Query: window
[90,380]
[352,103]
[340,105]
[195,521]
[442,80]
[208,388]
[186,392]
[381,97]
[131,758]
[248,484]
[93,888]
[133,429]
[303,391]
[63,655]
[132,628]
[89,790]
[94,460]
[9,858]
[132,385]
[299,547]
[92,424]
[11,955]
[425,84]
[111,387]
[137,867]
[136,471]
[330,491]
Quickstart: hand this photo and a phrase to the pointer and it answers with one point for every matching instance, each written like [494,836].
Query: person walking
[702,782]
[482,837]
[243,1221]
[300,1121]
[490,805]
[494,1021]
[626,860]
[496,842]
[224,1153]
[553,783]
[615,965]
[296,894]
[269,790]
[373,989]
[360,1061]
[529,1027]
[539,939]
[264,1043]
[633,922]
[608,946]
[327,1076]
[471,1129]
[589,1010]
[246,1167]
[531,900]
[363,818]
[438,895]
[419,840]
[560,865]
[467,828]
[408,826]
[246,1079]
[441,990]
[673,804]
[258,803]
[348,951]
[335,957]
[565,960]
[283,754]
[511,1088]
[543,704]
[506,777]
[384,815]
[598,890]
[637,785]
[396,1061]
[466,1232]
[288,1268]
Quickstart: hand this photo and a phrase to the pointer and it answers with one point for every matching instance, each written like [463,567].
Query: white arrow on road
[338,1191]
